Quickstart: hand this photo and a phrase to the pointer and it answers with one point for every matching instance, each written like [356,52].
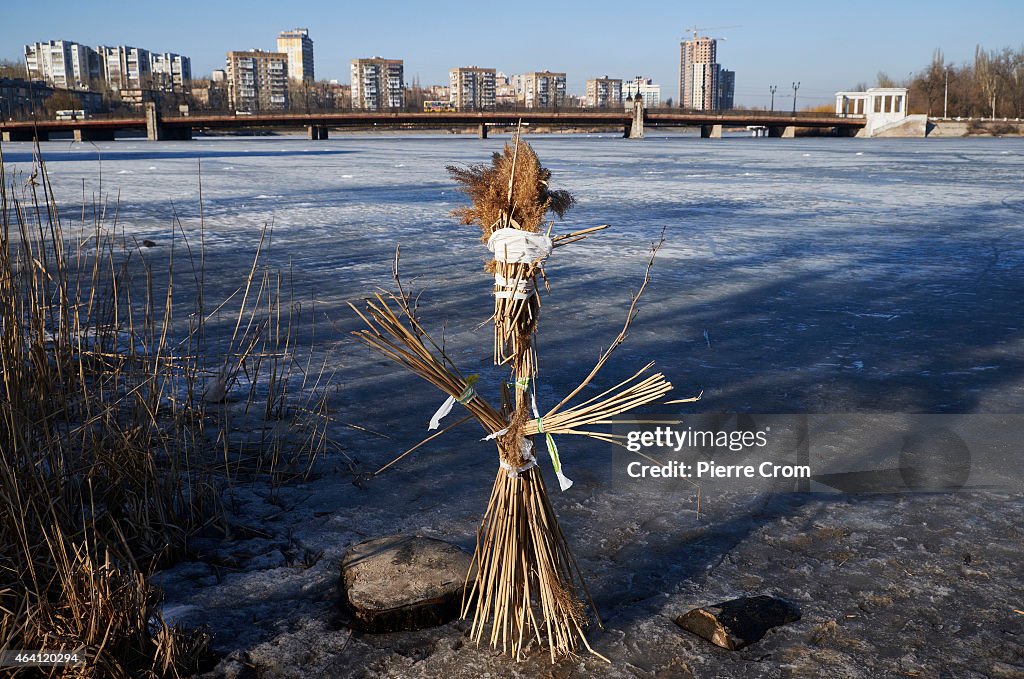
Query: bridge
[632,123]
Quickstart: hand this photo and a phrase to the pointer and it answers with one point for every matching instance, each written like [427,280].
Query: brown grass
[110,457]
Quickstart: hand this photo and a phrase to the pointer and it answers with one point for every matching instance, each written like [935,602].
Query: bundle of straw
[526,583]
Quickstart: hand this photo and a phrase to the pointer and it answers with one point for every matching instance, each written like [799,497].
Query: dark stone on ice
[148,244]
[398,583]
[740,622]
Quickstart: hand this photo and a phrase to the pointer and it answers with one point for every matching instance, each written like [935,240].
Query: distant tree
[12,69]
[1016,70]
[61,100]
[883,80]
[988,70]
[931,82]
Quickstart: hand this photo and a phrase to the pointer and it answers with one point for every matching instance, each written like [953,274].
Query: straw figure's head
[513,188]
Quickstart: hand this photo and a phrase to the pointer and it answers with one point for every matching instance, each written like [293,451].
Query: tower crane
[696,29]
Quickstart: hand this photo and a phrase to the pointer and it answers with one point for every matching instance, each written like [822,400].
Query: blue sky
[825,45]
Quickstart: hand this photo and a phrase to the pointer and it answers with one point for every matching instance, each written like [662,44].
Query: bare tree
[988,71]
[883,80]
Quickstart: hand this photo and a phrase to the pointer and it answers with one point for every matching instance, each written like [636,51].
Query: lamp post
[773,88]
[945,98]
[796,86]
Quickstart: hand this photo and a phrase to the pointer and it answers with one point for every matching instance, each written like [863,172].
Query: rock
[148,244]
[399,583]
[740,622]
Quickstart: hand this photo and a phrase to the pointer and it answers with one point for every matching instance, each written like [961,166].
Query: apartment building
[299,47]
[64,64]
[257,80]
[543,89]
[504,90]
[378,84]
[726,89]
[604,93]
[171,72]
[471,88]
[698,73]
[644,88]
[126,68]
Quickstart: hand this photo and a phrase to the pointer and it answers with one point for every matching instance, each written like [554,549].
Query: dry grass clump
[514,178]
[110,457]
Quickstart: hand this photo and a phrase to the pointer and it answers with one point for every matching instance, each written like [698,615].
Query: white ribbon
[465,397]
[491,437]
[516,246]
[526,450]
[523,288]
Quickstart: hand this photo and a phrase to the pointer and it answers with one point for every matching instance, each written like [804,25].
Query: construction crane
[696,29]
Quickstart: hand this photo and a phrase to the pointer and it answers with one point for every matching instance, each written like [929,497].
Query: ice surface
[807,275]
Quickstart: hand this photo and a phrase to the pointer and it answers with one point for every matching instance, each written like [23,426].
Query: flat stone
[399,582]
[740,622]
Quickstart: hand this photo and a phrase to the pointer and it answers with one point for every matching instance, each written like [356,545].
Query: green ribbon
[469,392]
[556,463]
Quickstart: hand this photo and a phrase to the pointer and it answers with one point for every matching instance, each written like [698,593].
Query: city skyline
[826,49]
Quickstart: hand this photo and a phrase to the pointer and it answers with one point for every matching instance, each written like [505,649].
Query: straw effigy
[526,583]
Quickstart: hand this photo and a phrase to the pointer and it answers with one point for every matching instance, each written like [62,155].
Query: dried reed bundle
[526,583]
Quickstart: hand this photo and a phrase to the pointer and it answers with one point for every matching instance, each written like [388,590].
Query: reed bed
[124,416]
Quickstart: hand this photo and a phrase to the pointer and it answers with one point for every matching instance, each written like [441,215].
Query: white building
[378,84]
[125,67]
[171,72]
[63,64]
[604,93]
[471,88]
[543,89]
[880,106]
[257,80]
[649,92]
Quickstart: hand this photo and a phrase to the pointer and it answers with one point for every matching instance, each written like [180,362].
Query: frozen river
[806,275]
[816,275]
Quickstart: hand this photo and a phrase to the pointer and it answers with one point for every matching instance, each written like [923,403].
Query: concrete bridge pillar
[483,131]
[153,127]
[316,132]
[711,131]
[87,134]
[25,135]
[782,131]
[636,125]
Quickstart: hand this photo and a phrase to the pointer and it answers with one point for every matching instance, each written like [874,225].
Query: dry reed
[110,456]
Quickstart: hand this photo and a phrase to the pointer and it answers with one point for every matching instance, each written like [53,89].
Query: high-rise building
[472,88]
[698,73]
[544,89]
[62,63]
[604,93]
[644,88]
[299,47]
[378,84]
[126,67]
[170,72]
[257,80]
[726,89]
